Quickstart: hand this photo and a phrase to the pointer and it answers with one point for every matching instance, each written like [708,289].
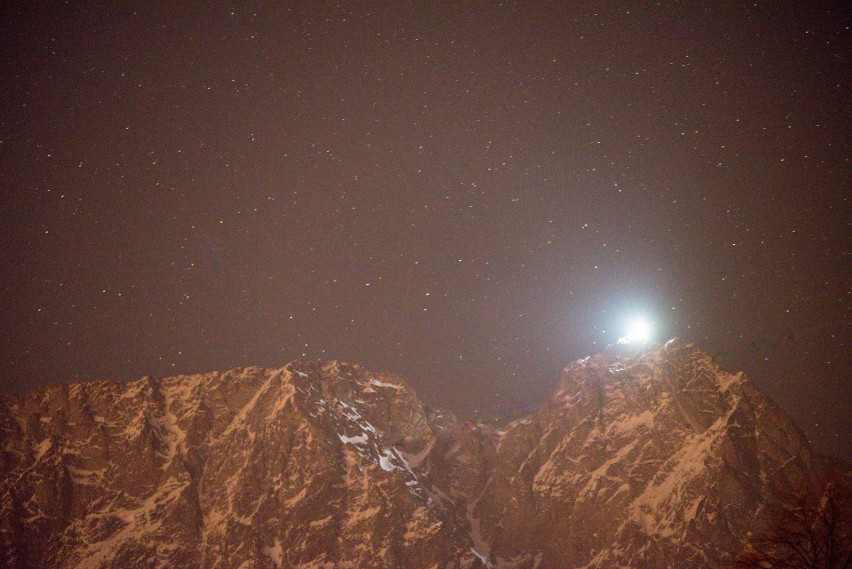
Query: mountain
[640,459]
[649,457]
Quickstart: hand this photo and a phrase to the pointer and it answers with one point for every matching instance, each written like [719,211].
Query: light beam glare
[638,332]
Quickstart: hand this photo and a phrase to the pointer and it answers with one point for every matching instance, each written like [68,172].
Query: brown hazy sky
[469,194]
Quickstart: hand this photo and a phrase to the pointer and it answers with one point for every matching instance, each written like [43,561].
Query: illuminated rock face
[640,458]
[301,466]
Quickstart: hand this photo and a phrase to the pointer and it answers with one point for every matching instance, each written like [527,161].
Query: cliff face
[650,458]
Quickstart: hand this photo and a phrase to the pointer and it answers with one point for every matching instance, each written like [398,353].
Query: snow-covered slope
[651,458]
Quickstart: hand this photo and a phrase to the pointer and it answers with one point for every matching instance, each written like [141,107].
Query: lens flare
[638,332]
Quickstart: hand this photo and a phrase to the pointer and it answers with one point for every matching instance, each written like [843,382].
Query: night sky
[468,194]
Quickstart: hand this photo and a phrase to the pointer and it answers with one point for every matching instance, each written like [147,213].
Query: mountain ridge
[640,457]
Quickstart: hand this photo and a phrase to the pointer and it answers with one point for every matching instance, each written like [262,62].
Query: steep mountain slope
[301,466]
[641,458]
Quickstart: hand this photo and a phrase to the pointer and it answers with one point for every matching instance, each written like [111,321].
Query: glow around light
[638,332]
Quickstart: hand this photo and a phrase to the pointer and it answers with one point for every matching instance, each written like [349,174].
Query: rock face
[309,465]
[654,459]
[641,458]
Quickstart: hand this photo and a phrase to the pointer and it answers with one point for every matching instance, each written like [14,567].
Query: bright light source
[638,332]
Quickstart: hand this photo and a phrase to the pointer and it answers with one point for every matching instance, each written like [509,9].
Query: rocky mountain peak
[650,448]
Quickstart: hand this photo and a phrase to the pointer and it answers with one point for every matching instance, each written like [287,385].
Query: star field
[469,195]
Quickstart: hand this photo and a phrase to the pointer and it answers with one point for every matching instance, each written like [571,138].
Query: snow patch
[275,553]
[174,435]
[727,379]
[378,383]
[631,423]
[42,448]
[320,523]
[482,558]
[385,462]
[356,440]
[83,477]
